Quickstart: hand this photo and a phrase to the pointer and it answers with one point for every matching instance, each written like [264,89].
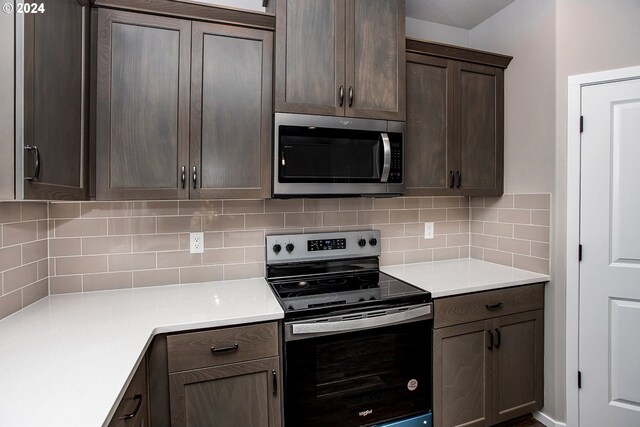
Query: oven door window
[359,378]
[329,155]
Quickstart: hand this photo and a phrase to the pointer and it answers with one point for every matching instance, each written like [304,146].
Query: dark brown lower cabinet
[132,411]
[238,394]
[488,371]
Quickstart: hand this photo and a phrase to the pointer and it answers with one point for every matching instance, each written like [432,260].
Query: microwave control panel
[395,172]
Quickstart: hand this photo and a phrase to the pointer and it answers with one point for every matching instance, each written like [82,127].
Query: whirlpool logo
[365,413]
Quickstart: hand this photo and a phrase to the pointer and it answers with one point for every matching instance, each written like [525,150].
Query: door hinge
[579,379]
[581,124]
[579,252]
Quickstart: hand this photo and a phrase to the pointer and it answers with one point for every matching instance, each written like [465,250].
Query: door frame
[574,110]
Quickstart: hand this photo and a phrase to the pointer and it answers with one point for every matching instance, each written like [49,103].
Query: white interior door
[609,341]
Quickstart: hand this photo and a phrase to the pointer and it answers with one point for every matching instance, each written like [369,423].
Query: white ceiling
[456,13]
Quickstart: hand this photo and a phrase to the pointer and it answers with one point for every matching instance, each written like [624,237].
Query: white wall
[432,31]
[240,4]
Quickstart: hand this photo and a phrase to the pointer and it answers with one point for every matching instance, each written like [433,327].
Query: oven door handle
[386,162]
[309,328]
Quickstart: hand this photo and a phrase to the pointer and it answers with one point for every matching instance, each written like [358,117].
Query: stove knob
[277,248]
[289,247]
[362,242]
[361,300]
[373,241]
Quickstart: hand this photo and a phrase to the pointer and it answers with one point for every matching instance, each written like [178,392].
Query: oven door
[320,159]
[345,373]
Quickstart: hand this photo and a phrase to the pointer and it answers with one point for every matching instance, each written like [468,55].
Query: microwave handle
[386,163]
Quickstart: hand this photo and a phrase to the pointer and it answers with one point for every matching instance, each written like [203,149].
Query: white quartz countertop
[67,359]
[460,276]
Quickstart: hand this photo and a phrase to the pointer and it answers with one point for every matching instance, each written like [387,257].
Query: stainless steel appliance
[337,156]
[357,342]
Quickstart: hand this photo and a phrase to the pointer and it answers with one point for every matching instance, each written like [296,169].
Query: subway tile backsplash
[24,269]
[512,230]
[112,245]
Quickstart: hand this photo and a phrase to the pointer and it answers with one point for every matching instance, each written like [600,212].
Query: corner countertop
[64,360]
[461,276]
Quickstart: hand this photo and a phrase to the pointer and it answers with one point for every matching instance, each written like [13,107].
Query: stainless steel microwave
[337,156]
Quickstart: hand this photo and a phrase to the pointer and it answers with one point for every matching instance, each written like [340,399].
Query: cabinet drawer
[485,305]
[221,346]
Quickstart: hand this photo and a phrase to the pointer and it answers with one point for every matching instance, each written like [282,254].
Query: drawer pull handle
[490,346]
[493,306]
[224,349]
[137,397]
[499,338]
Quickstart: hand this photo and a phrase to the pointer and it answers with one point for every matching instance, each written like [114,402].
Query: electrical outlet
[196,243]
[428,230]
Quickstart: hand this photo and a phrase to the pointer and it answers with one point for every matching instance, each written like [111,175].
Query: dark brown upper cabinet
[341,57]
[183,109]
[142,111]
[55,127]
[455,121]
[231,120]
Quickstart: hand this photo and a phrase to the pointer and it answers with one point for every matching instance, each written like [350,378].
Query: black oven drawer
[359,378]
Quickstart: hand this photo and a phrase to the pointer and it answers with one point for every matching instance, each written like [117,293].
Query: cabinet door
[375,55]
[428,141]
[479,128]
[517,365]
[55,101]
[241,394]
[142,111]
[231,112]
[310,43]
[132,410]
[461,375]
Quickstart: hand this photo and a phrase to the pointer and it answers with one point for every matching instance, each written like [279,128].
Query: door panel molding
[572,237]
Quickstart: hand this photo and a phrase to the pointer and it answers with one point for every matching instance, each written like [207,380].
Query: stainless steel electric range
[357,342]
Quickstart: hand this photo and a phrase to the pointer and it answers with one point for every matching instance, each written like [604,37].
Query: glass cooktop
[329,293]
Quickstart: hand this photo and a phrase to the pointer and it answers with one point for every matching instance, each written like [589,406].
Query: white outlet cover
[196,243]
[428,230]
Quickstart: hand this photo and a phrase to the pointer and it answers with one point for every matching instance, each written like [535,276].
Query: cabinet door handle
[350,96]
[183,177]
[137,397]
[36,163]
[341,92]
[490,346]
[493,307]
[274,375]
[453,179]
[224,349]
[499,338]
[195,178]
[459,178]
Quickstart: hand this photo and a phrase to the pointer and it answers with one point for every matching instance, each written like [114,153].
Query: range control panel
[326,245]
[319,246]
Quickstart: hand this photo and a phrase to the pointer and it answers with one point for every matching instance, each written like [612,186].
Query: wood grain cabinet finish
[183,108]
[142,111]
[133,408]
[55,101]
[341,57]
[231,112]
[221,346]
[455,121]
[225,377]
[488,371]
[237,394]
